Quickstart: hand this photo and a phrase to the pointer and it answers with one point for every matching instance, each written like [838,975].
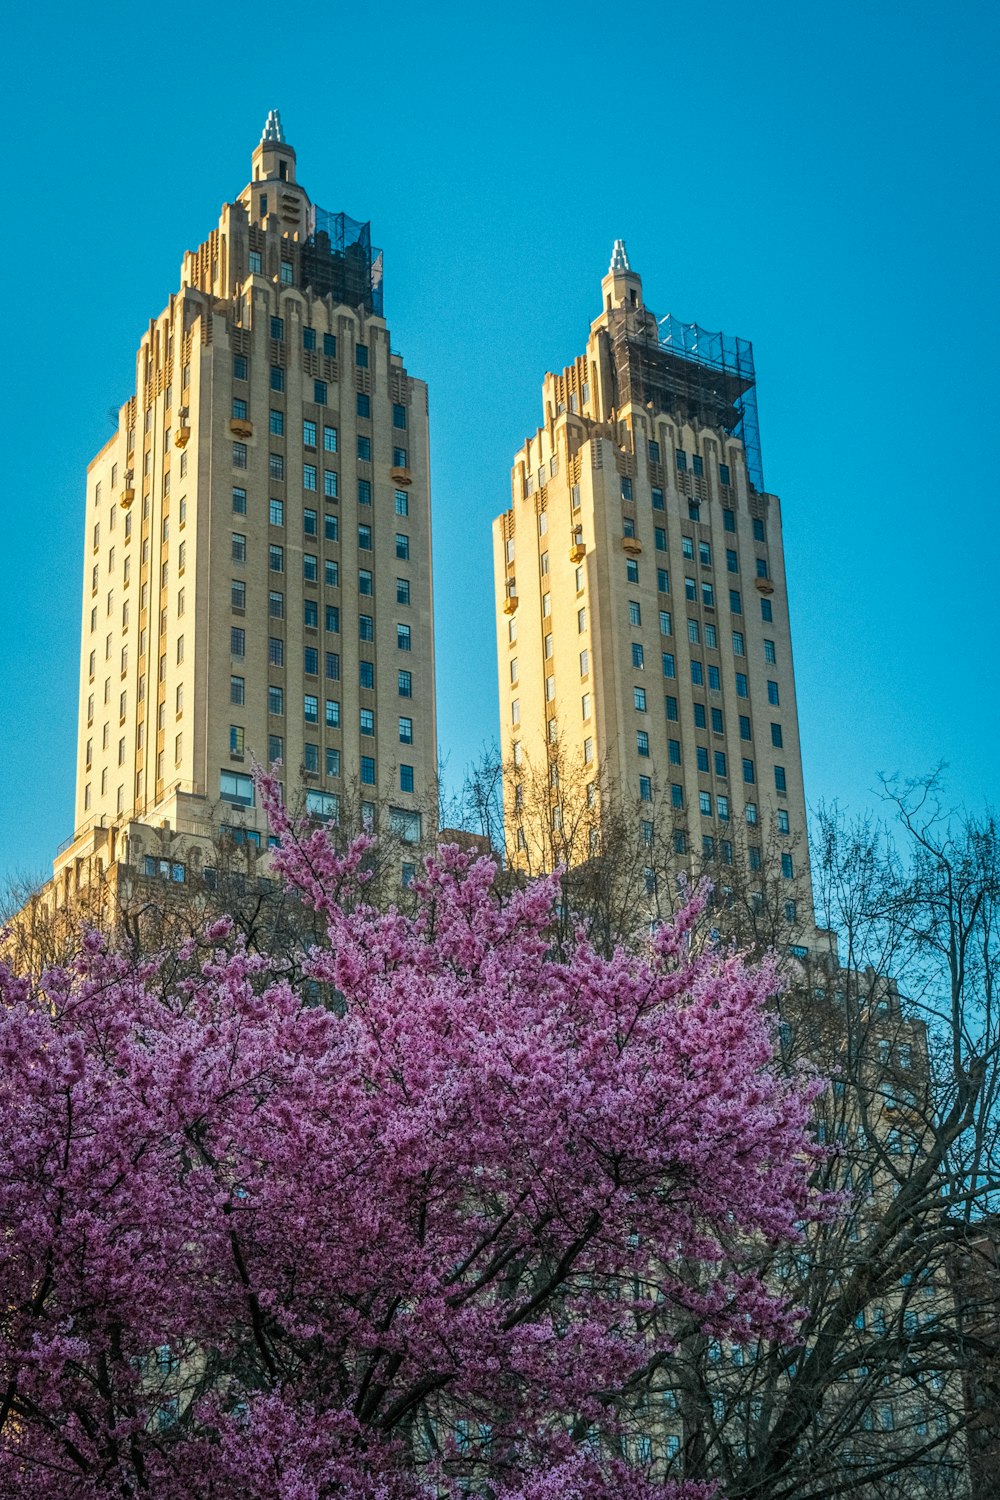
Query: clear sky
[820,179]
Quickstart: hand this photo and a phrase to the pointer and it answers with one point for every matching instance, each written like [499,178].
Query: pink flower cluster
[423,1220]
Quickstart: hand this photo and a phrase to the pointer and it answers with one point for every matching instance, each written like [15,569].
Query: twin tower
[257,577]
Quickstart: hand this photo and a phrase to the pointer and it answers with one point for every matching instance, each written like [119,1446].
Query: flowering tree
[433,1225]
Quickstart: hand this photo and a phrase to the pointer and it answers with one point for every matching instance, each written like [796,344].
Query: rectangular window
[277,423]
[749,775]
[275,701]
[311,661]
[674,752]
[399,416]
[714,681]
[745,728]
[742,688]
[236,788]
[332,713]
[331,665]
[365,449]
[758,530]
[365,584]
[658,499]
[239,366]
[276,605]
[402,546]
[700,716]
[310,708]
[363,405]
[406,778]
[776,737]
[405,731]
[275,651]
[682,460]
[783,825]
[239,501]
[332,761]
[403,637]
[331,573]
[779,779]
[366,628]
[724,475]
[637,655]
[329,439]
[666,625]
[237,689]
[701,758]
[634,612]
[642,742]
[276,559]
[276,465]
[402,501]
[720,764]
[275,748]
[366,720]
[361,356]
[308,338]
[670,704]
[237,641]
[735,602]
[277,378]
[309,477]
[330,484]
[311,757]
[787,868]
[238,594]
[239,455]
[319,392]
[404,684]
[769,655]
[367,770]
[365,538]
[310,567]
[364,492]
[236,739]
[669,666]
[310,522]
[278,329]
[639,699]
[660,538]
[332,619]
[645,789]
[766,612]
[276,512]
[402,591]
[697,674]
[400,458]
[626,487]
[330,345]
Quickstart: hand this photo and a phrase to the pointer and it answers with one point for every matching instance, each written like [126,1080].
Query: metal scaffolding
[339,260]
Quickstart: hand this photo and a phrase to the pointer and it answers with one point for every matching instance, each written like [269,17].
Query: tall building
[257,577]
[642,622]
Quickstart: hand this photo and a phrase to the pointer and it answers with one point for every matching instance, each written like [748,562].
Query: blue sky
[821,180]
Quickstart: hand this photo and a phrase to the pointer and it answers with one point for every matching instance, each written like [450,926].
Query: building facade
[257,579]
[642,620]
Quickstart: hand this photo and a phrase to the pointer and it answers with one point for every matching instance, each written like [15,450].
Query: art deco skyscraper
[642,622]
[258,557]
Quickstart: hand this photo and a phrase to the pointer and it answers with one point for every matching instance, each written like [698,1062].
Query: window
[634,612]
[694,632]
[670,705]
[400,458]
[366,720]
[682,460]
[236,739]
[639,699]
[275,651]
[585,706]
[276,559]
[277,423]
[403,637]
[275,701]
[716,720]
[402,501]
[666,625]
[363,405]
[310,567]
[364,492]
[787,868]
[653,449]
[277,327]
[749,776]
[237,641]
[714,681]
[645,789]
[724,479]
[309,477]
[330,484]
[332,761]
[660,538]
[758,531]
[404,684]
[330,345]
[331,528]
[769,655]
[331,665]
[705,804]
[637,655]
[735,602]
[237,690]
[365,449]
[406,778]
[239,455]
[276,605]
[239,361]
[631,571]
[626,488]
[779,779]
[310,522]
[311,757]
[331,573]
[238,594]
[276,465]
[310,708]
[662,581]
[581,621]
[776,736]
[698,464]
[308,338]
[361,356]
[364,581]
[669,665]
[277,378]
[399,416]
[751,813]
[332,713]
[332,619]
[697,674]
[319,392]
[366,628]
[674,752]
[236,788]
[239,501]
[742,688]
[405,731]
[329,439]
[701,758]
[700,717]
[311,661]
[690,589]
[783,826]
[720,764]
[276,512]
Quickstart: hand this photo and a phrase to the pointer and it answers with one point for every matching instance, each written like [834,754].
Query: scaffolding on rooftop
[339,260]
[697,376]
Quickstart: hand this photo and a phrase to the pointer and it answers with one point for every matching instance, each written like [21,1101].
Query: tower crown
[619,257]
[272,129]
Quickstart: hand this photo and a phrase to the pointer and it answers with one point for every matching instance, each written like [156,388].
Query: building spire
[619,257]
[272,129]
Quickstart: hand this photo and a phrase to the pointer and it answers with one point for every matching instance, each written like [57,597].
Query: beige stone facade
[257,580]
[642,621]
